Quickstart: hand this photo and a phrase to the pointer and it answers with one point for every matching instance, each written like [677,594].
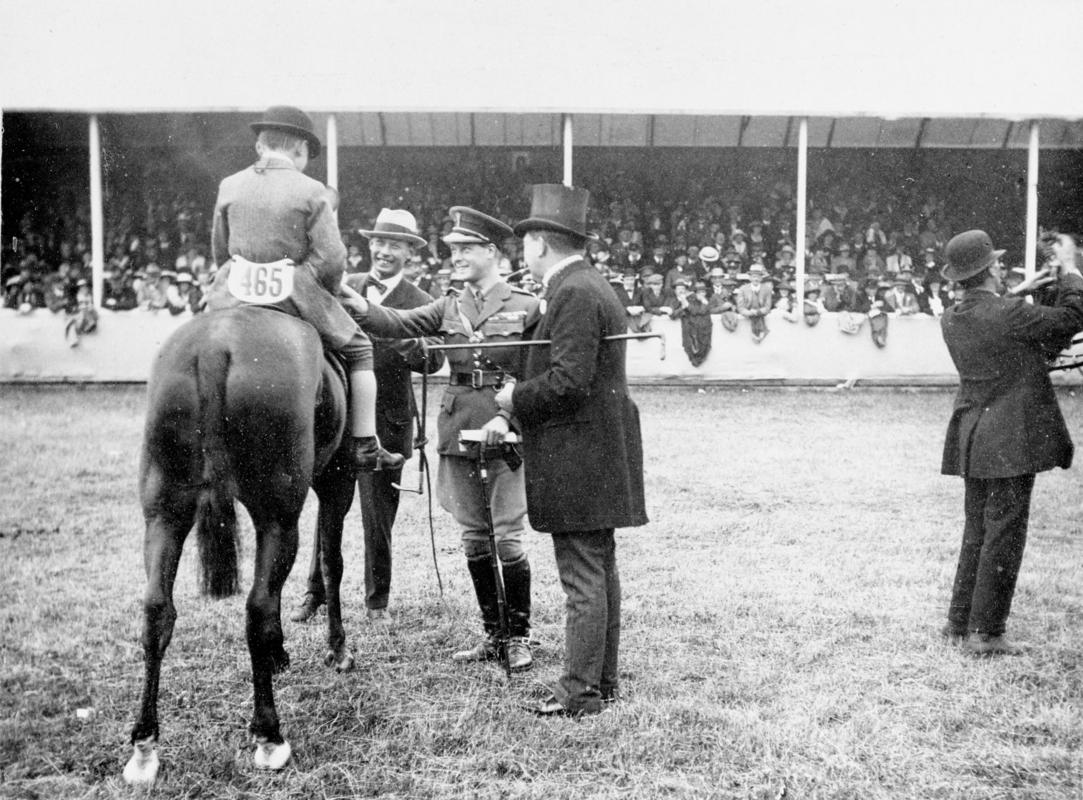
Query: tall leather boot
[481,573]
[517,594]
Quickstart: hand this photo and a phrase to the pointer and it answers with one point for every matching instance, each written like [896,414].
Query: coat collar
[574,264]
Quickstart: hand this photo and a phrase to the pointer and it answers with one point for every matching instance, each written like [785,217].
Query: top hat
[473,227]
[560,208]
[290,120]
[968,254]
[395,223]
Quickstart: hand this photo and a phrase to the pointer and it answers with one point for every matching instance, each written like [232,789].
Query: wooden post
[97,224]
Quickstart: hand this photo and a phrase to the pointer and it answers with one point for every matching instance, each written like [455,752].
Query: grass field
[780,627]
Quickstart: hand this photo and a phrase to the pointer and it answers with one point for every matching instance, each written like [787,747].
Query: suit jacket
[393,361]
[1006,420]
[581,438]
[271,211]
[907,304]
[751,299]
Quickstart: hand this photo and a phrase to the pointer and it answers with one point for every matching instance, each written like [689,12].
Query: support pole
[802,211]
[1030,265]
[97,224]
[332,154]
[567,139]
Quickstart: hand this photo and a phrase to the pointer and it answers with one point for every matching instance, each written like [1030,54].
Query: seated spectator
[872,263]
[653,299]
[150,294]
[755,300]
[631,297]
[118,291]
[898,261]
[839,295]
[680,271]
[720,299]
[814,306]
[843,261]
[785,301]
[900,299]
[872,304]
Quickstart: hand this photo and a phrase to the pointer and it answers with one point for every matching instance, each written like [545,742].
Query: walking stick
[476,439]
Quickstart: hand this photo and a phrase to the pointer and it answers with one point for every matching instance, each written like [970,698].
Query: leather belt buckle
[477,378]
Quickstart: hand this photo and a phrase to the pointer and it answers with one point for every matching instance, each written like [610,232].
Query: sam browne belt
[477,378]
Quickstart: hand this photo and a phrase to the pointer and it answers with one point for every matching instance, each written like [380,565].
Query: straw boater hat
[560,208]
[709,255]
[968,254]
[473,227]
[290,120]
[395,223]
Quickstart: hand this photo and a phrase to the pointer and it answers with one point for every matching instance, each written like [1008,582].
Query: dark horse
[242,404]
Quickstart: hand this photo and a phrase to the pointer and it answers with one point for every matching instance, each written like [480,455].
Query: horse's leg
[276,548]
[162,543]
[335,492]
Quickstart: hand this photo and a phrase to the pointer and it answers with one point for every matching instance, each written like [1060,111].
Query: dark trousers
[379,505]
[587,564]
[997,511]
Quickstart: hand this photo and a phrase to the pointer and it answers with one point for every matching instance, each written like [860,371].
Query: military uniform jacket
[582,445]
[506,315]
[1006,420]
[272,211]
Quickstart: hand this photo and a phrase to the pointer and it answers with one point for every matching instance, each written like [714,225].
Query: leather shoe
[952,633]
[485,650]
[520,659]
[307,608]
[550,707]
[366,455]
[983,644]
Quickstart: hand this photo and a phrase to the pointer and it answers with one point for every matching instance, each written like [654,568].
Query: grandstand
[662,111]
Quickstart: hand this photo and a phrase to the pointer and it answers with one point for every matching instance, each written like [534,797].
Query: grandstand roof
[901,60]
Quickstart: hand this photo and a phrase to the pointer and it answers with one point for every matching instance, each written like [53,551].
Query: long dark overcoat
[581,438]
[1006,420]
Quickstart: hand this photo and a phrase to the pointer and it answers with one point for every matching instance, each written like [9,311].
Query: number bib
[262,284]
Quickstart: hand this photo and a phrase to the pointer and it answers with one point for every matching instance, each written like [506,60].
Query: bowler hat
[395,223]
[968,254]
[472,227]
[290,120]
[560,208]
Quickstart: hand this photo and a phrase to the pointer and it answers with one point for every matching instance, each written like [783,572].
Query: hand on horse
[503,397]
[352,300]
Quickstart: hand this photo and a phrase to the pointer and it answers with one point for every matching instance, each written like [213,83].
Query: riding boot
[517,594]
[481,573]
[366,455]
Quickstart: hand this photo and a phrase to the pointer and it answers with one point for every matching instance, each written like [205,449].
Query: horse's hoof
[344,664]
[142,767]
[269,755]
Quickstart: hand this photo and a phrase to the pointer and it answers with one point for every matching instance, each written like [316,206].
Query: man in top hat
[1006,425]
[583,450]
[392,241]
[487,310]
[271,211]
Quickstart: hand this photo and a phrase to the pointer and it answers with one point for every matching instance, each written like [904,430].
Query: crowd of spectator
[694,246]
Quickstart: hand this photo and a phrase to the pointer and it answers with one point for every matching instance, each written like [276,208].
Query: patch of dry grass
[780,627]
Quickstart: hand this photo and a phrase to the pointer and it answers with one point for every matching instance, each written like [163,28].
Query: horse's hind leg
[335,491]
[166,531]
[276,548]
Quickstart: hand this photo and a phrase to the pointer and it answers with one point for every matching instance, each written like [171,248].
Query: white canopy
[890,59]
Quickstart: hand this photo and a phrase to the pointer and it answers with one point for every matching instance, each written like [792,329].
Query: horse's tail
[216,518]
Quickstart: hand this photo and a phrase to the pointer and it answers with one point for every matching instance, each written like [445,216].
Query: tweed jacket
[582,445]
[1006,420]
[270,211]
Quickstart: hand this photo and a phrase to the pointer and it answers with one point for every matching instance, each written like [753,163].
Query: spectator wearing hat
[630,295]
[271,211]
[785,302]
[488,309]
[838,294]
[898,261]
[813,306]
[1003,430]
[392,241]
[681,270]
[583,448]
[151,294]
[720,300]
[694,314]
[871,302]
[654,299]
[755,300]
[843,261]
[900,299]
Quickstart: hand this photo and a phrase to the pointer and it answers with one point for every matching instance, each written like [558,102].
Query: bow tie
[378,285]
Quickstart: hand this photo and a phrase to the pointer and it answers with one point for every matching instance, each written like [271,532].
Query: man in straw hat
[1006,426]
[583,450]
[271,211]
[393,240]
[487,309]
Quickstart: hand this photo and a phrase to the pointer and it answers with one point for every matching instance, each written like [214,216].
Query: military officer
[487,310]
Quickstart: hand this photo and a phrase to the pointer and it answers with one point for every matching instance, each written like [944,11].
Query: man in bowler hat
[1005,427]
[582,445]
